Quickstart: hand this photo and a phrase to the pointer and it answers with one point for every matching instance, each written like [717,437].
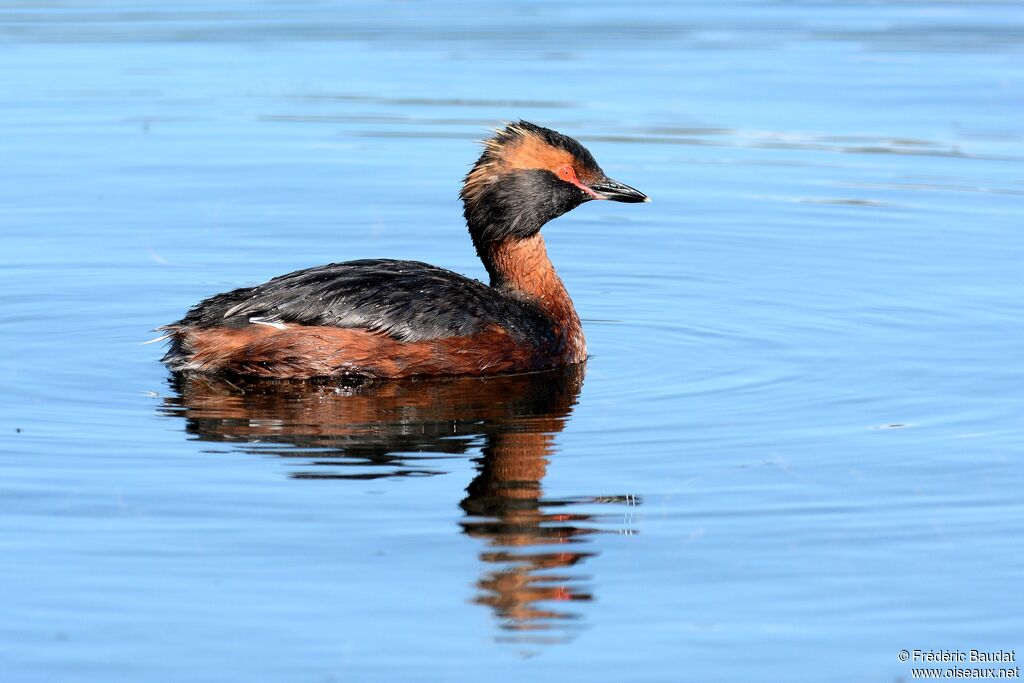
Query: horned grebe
[388,318]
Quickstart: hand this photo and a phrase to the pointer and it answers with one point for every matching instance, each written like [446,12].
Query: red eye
[567,173]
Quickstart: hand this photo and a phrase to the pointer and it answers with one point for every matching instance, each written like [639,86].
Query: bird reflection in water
[406,428]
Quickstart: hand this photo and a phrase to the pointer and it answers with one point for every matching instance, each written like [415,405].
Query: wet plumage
[409,301]
[393,318]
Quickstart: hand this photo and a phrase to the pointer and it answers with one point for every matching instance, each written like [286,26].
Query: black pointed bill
[606,188]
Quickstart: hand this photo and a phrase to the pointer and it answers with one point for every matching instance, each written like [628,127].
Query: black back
[407,300]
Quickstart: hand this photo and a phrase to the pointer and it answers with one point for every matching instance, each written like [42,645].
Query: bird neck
[521,268]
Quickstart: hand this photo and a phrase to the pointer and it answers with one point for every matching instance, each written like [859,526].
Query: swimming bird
[390,318]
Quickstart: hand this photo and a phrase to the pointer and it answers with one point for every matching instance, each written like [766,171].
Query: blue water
[795,451]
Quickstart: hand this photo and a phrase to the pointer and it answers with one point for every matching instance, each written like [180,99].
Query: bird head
[528,175]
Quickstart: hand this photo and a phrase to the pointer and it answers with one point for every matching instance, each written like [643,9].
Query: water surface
[794,451]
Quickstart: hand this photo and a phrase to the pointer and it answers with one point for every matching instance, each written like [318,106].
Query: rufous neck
[521,267]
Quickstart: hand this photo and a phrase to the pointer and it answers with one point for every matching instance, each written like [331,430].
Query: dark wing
[408,300]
